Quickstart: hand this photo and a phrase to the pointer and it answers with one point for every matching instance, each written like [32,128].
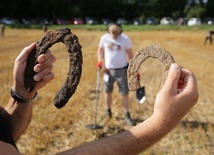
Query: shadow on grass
[206,126]
[196,125]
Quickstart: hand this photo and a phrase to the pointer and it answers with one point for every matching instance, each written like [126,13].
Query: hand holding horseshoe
[71,42]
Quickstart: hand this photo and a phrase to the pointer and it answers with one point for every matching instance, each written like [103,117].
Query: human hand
[177,96]
[43,71]
[99,64]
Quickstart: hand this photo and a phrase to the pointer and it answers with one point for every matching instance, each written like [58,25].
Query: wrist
[20,99]
[166,122]
[22,91]
[150,131]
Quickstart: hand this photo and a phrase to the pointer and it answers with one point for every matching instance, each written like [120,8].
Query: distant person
[45,27]
[114,47]
[209,37]
[2,30]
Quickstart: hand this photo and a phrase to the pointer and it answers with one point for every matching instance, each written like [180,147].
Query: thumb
[173,77]
[25,52]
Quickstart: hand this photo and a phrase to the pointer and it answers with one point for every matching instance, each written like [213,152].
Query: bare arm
[174,100]
[178,95]
[19,114]
[129,53]
[7,149]
[100,54]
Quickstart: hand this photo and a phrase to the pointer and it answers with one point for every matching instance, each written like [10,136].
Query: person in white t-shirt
[114,47]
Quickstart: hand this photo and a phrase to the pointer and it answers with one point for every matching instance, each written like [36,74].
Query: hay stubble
[53,130]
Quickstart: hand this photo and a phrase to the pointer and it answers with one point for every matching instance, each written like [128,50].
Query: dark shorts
[120,76]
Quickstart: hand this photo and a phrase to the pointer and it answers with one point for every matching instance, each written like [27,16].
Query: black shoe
[128,119]
[108,113]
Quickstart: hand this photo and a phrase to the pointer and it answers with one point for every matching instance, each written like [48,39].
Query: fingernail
[175,67]
[36,78]
[42,60]
[37,69]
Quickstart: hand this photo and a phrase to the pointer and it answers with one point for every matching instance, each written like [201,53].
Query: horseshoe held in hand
[154,51]
[70,40]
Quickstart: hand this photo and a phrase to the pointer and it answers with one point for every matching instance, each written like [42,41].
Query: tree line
[111,9]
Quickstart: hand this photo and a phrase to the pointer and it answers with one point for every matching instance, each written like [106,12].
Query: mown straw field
[52,130]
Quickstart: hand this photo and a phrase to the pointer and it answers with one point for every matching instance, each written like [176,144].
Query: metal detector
[95,125]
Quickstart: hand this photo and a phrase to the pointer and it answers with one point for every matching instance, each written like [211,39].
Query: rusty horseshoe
[154,51]
[71,42]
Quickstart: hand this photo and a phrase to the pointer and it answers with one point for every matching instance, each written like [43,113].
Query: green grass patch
[125,27]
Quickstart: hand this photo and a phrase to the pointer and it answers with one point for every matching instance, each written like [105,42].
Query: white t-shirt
[115,50]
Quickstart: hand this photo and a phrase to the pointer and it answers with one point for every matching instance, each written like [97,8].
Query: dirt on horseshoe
[153,51]
[73,47]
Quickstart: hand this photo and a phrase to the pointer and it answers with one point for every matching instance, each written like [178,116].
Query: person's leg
[108,100]
[121,78]
[108,89]
[122,82]
[126,103]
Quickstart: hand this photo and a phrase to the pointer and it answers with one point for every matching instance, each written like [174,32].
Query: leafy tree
[161,8]
[112,9]
[209,8]
[196,11]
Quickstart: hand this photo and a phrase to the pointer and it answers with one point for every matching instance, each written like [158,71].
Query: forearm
[19,116]
[129,53]
[114,145]
[7,149]
[150,131]
[100,53]
[130,142]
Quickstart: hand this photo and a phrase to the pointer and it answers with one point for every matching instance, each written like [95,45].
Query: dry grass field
[52,130]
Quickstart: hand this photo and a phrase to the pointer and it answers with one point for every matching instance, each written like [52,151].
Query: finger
[44,57]
[43,73]
[173,78]
[189,93]
[45,64]
[25,52]
[44,81]
[189,79]
[20,61]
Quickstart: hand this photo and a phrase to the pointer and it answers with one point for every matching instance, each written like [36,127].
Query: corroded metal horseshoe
[70,40]
[154,51]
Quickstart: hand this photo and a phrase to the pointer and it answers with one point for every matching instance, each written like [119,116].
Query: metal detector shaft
[97,95]
[95,125]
